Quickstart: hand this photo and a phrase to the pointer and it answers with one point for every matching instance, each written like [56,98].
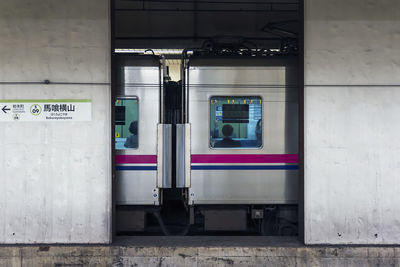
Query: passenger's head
[227,130]
[133,128]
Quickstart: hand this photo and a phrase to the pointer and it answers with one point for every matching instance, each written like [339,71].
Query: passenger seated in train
[227,141]
[259,133]
[132,141]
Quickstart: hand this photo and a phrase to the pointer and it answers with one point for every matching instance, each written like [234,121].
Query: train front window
[236,122]
[126,123]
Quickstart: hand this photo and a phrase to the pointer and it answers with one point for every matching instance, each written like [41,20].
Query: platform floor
[199,251]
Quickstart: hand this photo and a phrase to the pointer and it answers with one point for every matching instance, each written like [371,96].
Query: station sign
[45,110]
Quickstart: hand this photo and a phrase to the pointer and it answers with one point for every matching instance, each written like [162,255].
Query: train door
[142,141]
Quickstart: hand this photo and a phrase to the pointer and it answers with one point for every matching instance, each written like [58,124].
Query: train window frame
[235,148]
[133,97]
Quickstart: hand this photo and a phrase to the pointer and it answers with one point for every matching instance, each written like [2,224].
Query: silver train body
[139,78]
[266,174]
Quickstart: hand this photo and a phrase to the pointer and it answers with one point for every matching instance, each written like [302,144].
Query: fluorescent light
[149,51]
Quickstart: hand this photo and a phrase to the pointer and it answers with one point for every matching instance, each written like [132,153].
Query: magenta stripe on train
[143,159]
[245,158]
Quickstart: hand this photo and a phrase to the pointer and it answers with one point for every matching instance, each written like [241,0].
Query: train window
[235,122]
[126,123]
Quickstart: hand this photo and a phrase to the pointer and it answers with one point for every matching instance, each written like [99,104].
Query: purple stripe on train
[135,159]
[245,158]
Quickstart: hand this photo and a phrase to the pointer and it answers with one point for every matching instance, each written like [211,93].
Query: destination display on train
[45,110]
[235,113]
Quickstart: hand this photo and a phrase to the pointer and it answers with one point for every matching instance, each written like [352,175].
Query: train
[214,152]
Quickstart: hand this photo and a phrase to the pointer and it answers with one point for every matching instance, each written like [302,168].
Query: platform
[199,251]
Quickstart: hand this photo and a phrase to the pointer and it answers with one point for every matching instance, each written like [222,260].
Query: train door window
[236,122]
[126,123]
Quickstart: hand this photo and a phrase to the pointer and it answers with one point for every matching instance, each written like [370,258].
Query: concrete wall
[55,177]
[352,125]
